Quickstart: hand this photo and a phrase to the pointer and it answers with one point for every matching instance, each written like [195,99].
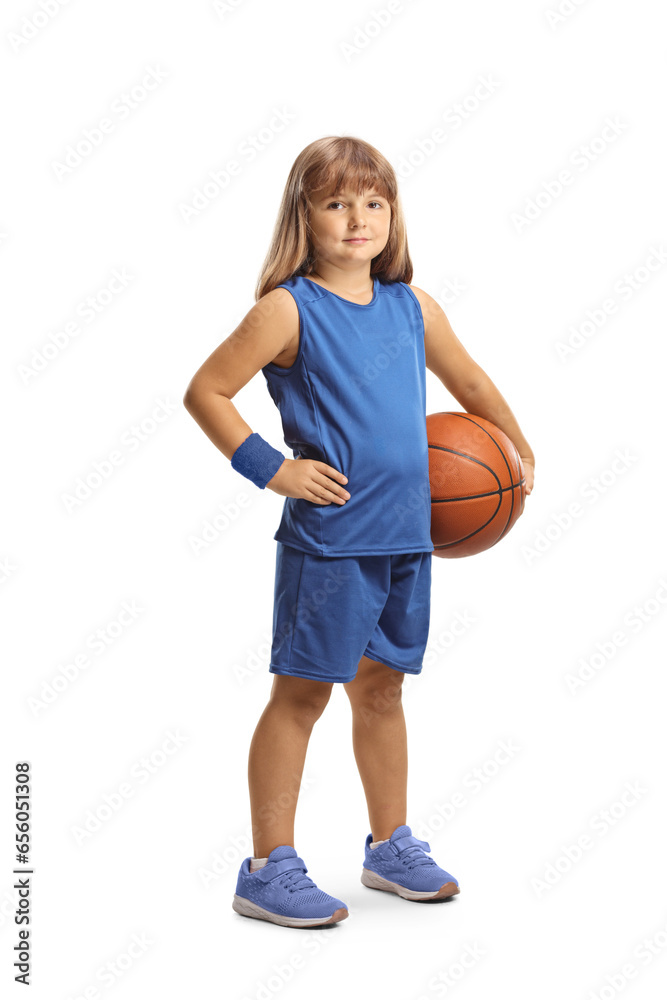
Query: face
[349,229]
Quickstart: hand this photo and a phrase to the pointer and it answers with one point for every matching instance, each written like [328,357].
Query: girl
[343,341]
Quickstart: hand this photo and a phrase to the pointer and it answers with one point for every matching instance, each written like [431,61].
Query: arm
[447,358]
[266,331]
[259,338]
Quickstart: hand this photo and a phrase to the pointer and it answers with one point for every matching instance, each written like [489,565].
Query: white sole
[375,881]
[249,909]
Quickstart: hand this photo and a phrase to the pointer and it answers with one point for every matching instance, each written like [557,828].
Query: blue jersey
[355,398]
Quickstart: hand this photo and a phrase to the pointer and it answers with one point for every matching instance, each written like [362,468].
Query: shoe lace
[413,855]
[296,879]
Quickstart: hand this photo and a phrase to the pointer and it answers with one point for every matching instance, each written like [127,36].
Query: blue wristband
[257,460]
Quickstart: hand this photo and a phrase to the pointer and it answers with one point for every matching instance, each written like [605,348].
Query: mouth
[356,239]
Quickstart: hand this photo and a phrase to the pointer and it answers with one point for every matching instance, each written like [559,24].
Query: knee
[308,710]
[377,695]
[305,704]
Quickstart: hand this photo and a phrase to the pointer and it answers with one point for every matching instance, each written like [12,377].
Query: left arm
[447,358]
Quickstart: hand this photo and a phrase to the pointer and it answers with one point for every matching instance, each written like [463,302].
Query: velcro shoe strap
[411,842]
[268,872]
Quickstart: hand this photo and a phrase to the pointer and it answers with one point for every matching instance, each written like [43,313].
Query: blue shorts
[329,611]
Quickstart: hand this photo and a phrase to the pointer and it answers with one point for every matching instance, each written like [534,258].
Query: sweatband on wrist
[257,460]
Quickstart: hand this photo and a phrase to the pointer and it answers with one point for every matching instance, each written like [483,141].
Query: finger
[324,495]
[331,472]
[333,488]
[314,498]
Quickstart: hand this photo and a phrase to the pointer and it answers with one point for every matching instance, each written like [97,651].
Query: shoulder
[279,299]
[276,308]
[429,307]
[424,299]
[292,291]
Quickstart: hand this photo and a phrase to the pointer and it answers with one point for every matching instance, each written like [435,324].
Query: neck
[357,282]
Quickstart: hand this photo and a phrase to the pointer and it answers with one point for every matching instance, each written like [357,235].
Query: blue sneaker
[282,893]
[401,866]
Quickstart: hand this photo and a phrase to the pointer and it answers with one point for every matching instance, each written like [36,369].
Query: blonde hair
[332,163]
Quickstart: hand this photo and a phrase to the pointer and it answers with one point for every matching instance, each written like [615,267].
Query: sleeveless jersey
[355,398]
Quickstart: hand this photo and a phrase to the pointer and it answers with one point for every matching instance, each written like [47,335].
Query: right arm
[264,333]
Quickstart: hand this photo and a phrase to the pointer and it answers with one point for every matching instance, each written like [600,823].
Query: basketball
[477,483]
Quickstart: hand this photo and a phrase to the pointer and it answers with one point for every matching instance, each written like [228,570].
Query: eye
[379,205]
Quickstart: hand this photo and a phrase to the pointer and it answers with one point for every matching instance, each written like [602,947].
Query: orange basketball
[478,486]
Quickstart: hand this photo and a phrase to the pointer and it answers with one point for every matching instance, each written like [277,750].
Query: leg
[277,755]
[379,741]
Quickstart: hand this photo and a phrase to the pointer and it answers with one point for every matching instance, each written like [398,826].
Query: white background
[542,599]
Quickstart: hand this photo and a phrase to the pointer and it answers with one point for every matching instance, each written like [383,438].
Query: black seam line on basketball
[471,458]
[478,496]
[447,545]
[467,417]
[465,538]
[509,471]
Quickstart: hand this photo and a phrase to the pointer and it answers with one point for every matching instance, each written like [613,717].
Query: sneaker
[282,893]
[401,866]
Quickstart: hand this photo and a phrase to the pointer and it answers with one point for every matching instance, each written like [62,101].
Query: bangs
[355,172]
[326,167]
